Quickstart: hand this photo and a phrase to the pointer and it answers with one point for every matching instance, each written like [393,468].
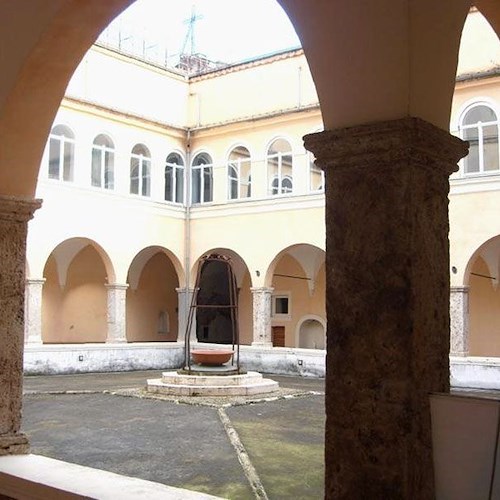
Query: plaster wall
[479,46]
[256,236]
[100,78]
[252,89]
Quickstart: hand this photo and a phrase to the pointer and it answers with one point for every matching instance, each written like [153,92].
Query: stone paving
[237,448]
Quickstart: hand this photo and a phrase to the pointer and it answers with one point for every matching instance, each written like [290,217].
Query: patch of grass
[231,491]
[290,463]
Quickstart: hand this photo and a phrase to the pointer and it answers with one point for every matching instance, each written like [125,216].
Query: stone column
[33,316]
[262,316]
[459,320]
[185,296]
[387,289]
[117,313]
[14,216]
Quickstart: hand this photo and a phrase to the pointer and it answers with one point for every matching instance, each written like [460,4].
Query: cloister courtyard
[107,421]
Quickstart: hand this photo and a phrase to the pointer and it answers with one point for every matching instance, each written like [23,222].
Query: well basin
[211,357]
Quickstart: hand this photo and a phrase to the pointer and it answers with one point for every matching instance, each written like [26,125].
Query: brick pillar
[387,290]
[14,216]
[33,318]
[459,320]
[262,316]
[117,313]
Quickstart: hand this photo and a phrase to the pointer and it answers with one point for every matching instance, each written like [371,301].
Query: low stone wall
[47,359]
[86,358]
[475,372]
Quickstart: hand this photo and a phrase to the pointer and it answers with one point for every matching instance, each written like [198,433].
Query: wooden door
[278,336]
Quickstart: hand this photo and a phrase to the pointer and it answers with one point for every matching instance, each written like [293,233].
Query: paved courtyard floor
[236,448]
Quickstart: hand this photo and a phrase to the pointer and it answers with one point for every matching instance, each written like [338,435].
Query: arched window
[316,176]
[103,162]
[140,170]
[61,153]
[479,126]
[283,187]
[280,167]
[239,173]
[174,178]
[201,179]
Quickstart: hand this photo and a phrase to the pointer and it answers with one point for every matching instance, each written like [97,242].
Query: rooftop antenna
[190,32]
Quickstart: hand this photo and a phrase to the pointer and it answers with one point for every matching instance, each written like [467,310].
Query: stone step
[175,378]
[264,386]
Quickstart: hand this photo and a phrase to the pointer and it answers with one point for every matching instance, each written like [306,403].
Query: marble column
[117,313]
[185,296]
[33,316]
[262,316]
[459,320]
[14,216]
[387,296]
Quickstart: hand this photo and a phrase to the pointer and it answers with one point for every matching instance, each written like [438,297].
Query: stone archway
[311,333]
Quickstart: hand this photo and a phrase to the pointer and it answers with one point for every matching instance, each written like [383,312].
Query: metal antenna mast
[190,32]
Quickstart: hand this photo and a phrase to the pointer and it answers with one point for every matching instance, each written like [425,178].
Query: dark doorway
[214,324]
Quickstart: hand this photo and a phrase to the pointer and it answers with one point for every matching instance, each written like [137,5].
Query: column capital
[117,286]
[459,289]
[261,289]
[18,209]
[387,144]
[35,281]
[184,289]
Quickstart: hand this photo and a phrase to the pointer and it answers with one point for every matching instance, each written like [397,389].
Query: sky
[227,30]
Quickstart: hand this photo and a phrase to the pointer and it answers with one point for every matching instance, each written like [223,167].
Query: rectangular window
[54,158]
[179,185]
[96,167]
[280,307]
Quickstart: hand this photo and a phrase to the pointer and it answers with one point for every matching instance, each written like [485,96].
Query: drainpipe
[299,87]
[187,225]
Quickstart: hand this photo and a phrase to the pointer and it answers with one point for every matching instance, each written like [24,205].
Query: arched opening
[74,300]
[484,300]
[297,276]
[312,334]
[152,302]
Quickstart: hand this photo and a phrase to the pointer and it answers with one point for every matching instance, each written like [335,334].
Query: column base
[266,345]
[14,444]
[34,341]
[116,341]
